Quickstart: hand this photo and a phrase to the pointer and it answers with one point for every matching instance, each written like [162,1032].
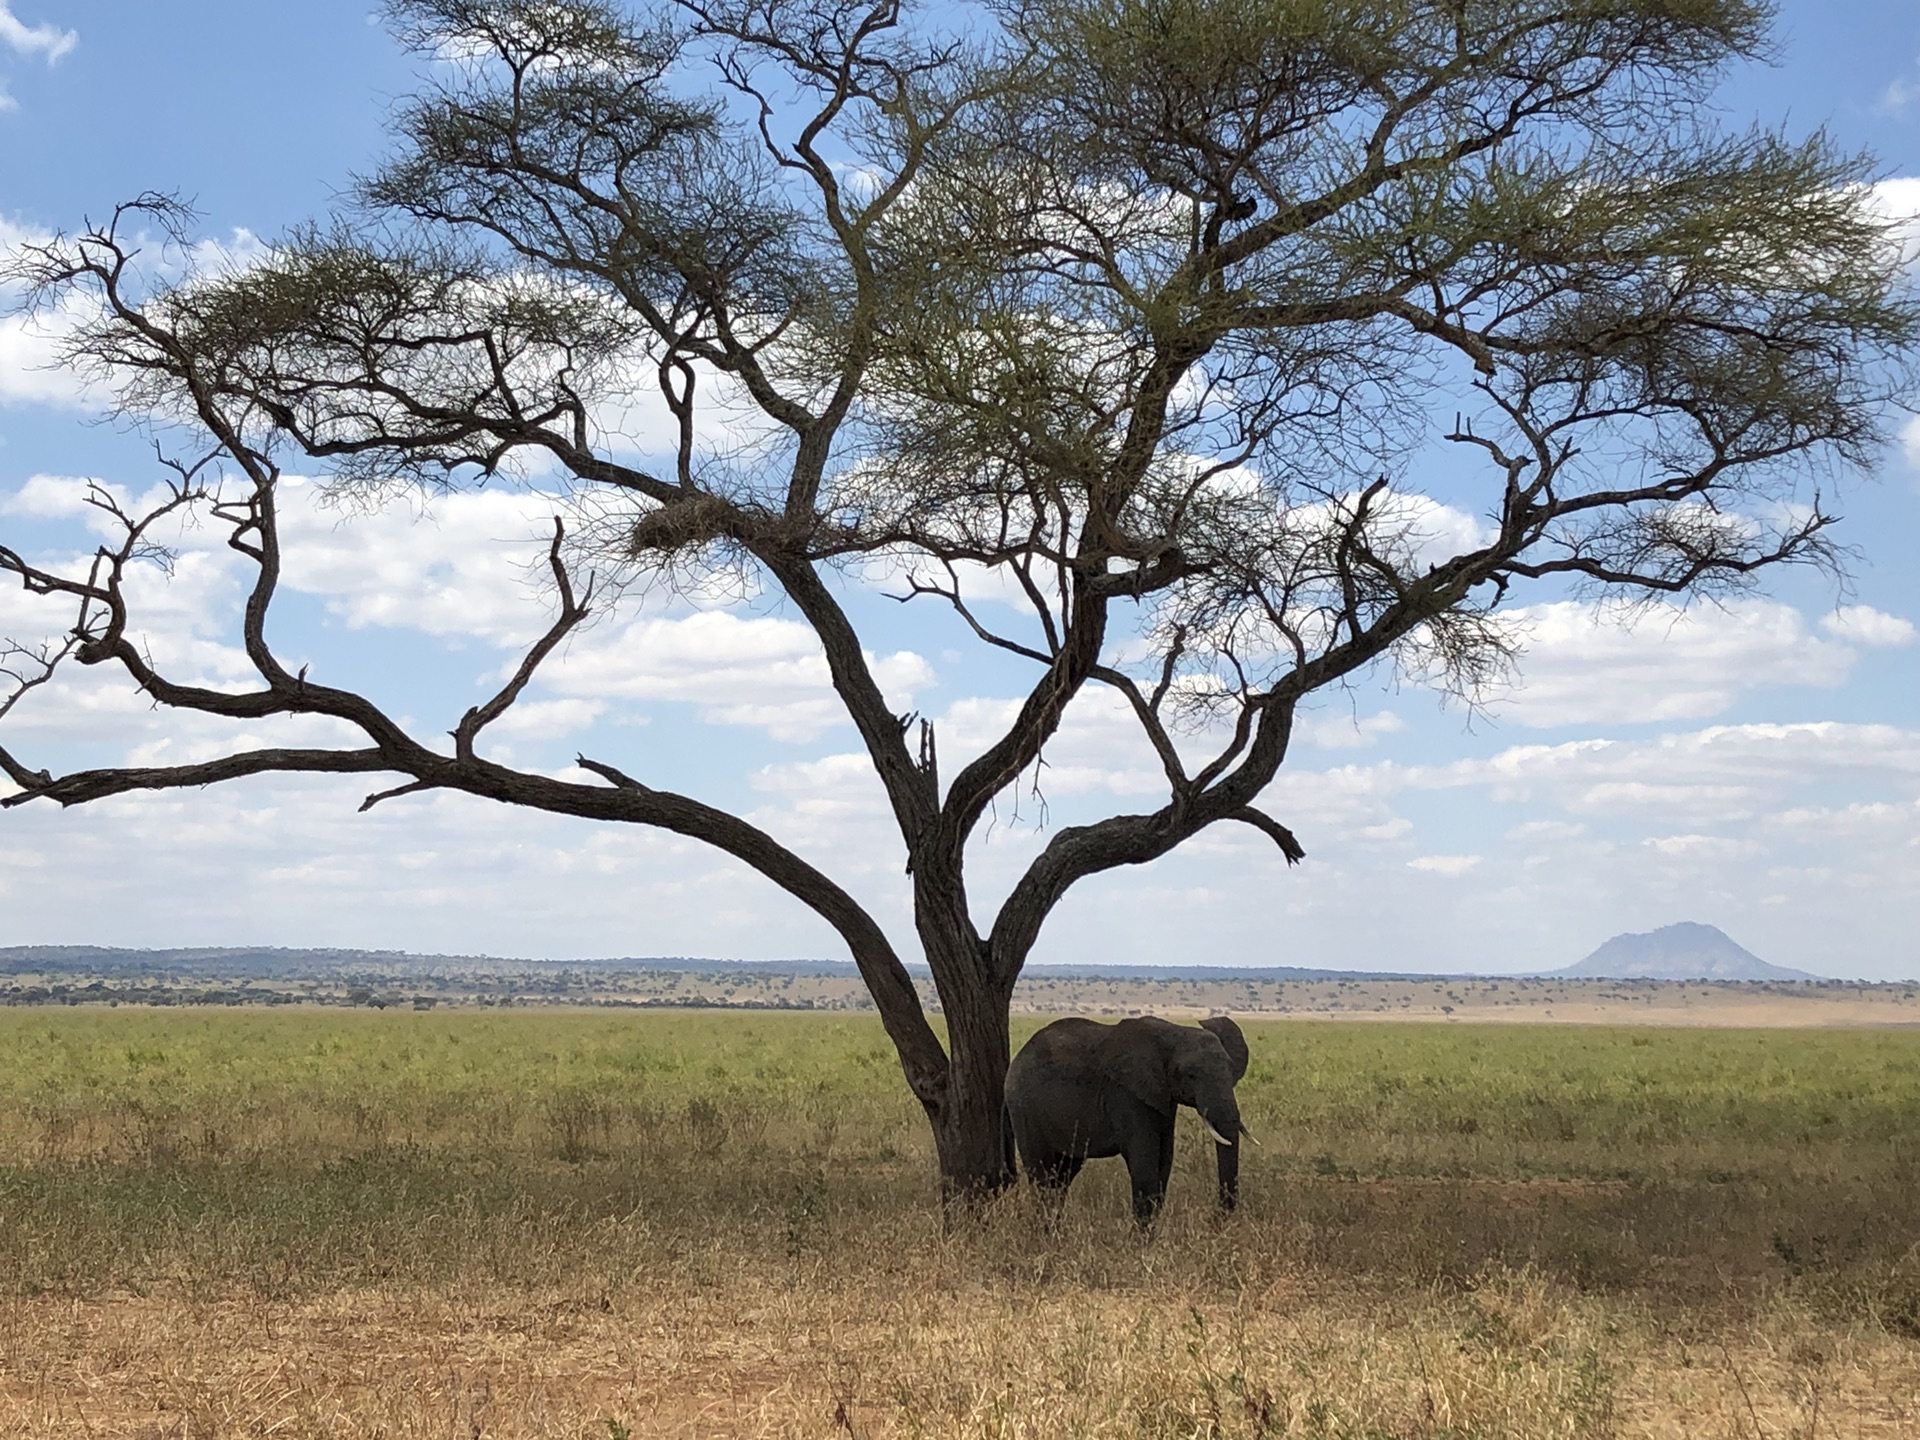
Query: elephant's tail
[1006,1139]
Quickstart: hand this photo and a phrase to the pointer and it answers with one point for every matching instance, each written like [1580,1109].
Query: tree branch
[1272,829]
[571,614]
[83,786]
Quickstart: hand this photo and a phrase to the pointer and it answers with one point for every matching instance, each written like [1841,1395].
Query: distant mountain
[1687,951]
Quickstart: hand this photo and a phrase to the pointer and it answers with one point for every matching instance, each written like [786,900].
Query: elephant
[1080,1090]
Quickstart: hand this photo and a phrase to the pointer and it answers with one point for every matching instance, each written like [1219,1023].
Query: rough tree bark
[1140,305]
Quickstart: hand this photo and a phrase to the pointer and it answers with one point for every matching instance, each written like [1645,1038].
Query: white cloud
[1900,94]
[547,719]
[1711,845]
[43,39]
[1583,666]
[1898,200]
[1721,774]
[1451,866]
[1438,532]
[472,567]
[1534,830]
[1414,530]
[1864,625]
[30,372]
[432,872]
[1347,731]
[464,565]
[1708,823]
[831,807]
[1704,824]
[741,670]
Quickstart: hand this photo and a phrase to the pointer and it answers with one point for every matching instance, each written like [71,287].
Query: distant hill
[1676,952]
[1687,951]
[236,962]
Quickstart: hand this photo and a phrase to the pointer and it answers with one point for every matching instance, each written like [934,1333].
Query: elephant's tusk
[1218,1138]
[1251,1136]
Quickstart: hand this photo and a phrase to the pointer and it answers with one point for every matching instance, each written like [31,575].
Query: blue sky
[1756,766]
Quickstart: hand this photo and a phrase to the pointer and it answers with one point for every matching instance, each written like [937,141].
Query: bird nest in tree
[697,520]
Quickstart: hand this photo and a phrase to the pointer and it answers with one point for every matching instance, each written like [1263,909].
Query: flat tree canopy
[1157,310]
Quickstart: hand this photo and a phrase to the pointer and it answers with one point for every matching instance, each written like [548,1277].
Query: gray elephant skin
[1080,1090]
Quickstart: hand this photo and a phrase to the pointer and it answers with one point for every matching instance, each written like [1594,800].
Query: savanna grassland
[332,1222]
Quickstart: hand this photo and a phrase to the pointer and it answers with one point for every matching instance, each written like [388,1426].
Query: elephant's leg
[1149,1164]
[1051,1176]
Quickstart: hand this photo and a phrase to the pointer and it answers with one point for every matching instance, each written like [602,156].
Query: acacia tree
[1144,307]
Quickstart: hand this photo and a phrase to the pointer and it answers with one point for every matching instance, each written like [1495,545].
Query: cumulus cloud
[471,567]
[1585,666]
[464,566]
[1437,532]
[1864,625]
[1537,844]
[833,805]
[45,39]
[1900,93]
[1612,834]
[1720,774]
[1715,845]
[1347,731]
[431,873]
[1534,831]
[740,670]
[1451,866]
[548,719]
[30,372]
[1898,200]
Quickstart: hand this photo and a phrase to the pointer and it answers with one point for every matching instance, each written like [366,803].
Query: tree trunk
[970,1131]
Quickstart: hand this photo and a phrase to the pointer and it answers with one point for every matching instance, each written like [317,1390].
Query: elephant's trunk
[1225,1128]
[1228,1159]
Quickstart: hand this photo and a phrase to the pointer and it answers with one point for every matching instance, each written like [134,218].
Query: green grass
[291,1148]
[1507,1101]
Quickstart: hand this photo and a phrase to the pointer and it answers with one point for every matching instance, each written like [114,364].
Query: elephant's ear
[1136,1060]
[1232,1041]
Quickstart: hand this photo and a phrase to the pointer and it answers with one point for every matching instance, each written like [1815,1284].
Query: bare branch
[618,779]
[1272,829]
[571,613]
[379,795]
[84,786]
[1147,712]
[27,667]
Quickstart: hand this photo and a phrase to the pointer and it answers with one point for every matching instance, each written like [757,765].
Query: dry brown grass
[1512,1357]
[551,1225]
